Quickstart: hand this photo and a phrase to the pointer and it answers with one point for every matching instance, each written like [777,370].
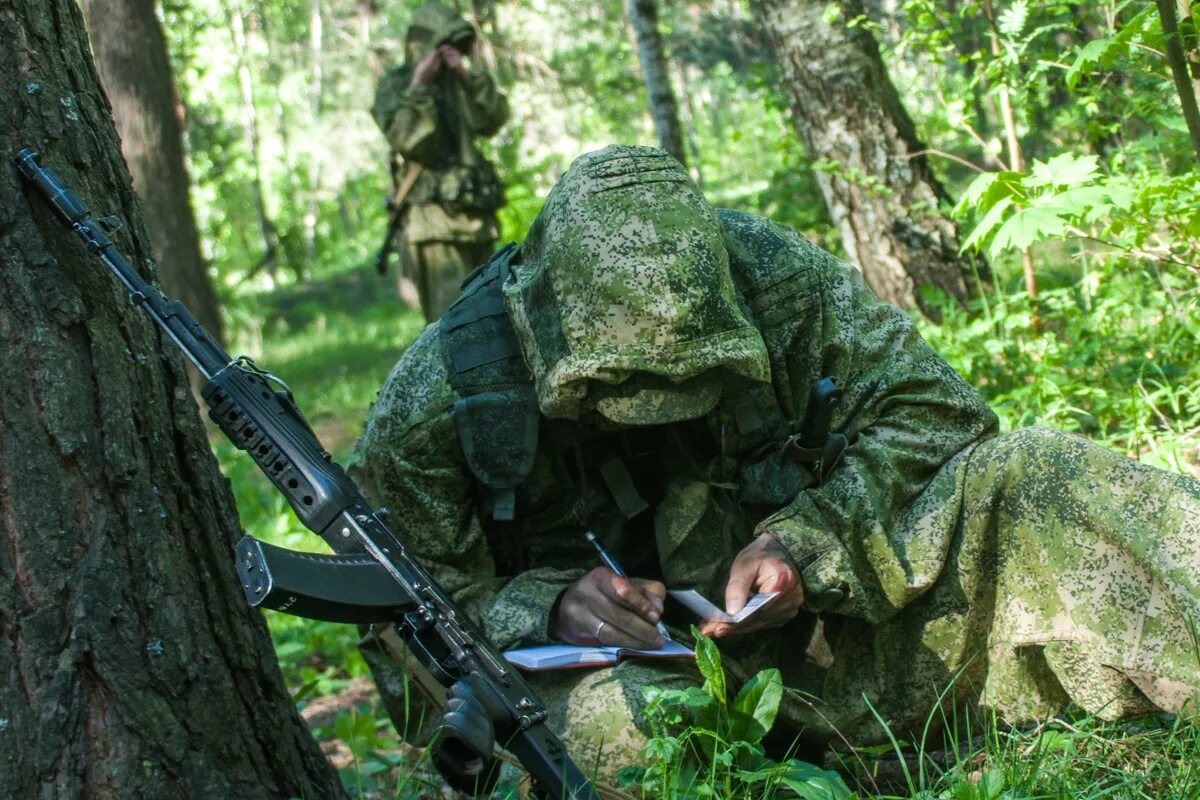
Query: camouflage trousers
[1097,589]
[1075,576]
[437,270]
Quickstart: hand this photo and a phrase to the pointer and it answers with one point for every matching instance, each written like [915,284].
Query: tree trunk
[273,73]
[130,665]
[689,111]
[367,11]
[878,185]
[266,227]
[315,89]
[131,57]
[1186,84]
[643,17]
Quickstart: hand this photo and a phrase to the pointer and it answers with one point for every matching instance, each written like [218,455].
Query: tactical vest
[496,414]
[497,417]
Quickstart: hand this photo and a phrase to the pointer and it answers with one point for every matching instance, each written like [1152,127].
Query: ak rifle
[373,577]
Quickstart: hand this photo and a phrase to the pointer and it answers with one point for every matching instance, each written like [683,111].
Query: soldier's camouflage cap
[623,301]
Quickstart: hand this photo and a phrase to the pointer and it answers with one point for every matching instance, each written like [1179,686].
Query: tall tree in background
[272,247]
[878,185]
[1184,68]
[130,665]
[131,57]
[643,18]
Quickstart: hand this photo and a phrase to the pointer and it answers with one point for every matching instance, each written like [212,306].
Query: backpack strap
[496,415]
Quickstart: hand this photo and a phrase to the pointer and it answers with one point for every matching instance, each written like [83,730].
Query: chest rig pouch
[496,415]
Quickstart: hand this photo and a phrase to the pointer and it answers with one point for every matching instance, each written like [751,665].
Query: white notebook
[568,656]
[703,607]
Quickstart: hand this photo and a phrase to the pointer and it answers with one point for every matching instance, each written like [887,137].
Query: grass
[1151,758]
[1115,357]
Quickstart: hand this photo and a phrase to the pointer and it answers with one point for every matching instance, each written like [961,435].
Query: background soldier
[431,109]
[641,368]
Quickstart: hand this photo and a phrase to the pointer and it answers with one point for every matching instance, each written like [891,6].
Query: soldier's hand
[763,566]
[428,68]
[604,608]
[453,59]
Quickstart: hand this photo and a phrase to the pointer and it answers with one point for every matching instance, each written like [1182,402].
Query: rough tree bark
[877,183]
[131,57]
[643,17]
[130,665]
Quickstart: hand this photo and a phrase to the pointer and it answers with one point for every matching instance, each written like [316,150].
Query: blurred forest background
[1040,159]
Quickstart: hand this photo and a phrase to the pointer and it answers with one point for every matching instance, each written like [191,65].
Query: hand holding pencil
[606,607]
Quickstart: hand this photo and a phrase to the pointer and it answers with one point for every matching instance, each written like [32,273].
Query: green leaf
[708,661]
[1012,20]
[1087,203]
[986,225]
[991,785]
[1065,169]
[1147,18]
[759,702]
[1026,227]
[1122,196]
[810,782]
[1088,57]
[988,189]
[662,749]
[1075,201]
[977,189]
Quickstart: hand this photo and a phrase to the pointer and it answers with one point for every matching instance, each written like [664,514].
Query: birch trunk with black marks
[875,178]
[130,664]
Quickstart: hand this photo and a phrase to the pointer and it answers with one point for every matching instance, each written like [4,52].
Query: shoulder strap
[497,414]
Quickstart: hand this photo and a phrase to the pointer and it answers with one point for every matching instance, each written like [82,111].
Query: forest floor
[334,342]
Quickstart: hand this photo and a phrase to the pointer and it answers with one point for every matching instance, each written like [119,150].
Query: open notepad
[702,607]
[566,656]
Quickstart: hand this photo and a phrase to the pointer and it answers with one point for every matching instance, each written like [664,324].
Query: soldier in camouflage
[431,109]
[640,367]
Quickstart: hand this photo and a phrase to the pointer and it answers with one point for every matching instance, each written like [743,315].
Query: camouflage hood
[623,300]
[434,24]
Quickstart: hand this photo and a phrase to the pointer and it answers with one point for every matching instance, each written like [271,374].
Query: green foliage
[1100,125]
[1115,358]
[704,746]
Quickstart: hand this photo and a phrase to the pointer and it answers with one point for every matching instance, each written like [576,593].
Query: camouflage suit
[449,224]
[1041,567]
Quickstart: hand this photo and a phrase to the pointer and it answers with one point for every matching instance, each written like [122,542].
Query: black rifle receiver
[489,699]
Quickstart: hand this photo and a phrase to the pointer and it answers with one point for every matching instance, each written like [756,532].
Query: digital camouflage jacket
[672,349]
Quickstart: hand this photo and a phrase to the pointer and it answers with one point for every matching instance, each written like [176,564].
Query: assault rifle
[489,701]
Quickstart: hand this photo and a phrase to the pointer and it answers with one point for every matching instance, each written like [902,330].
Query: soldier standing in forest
[643,366]
[431,109]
